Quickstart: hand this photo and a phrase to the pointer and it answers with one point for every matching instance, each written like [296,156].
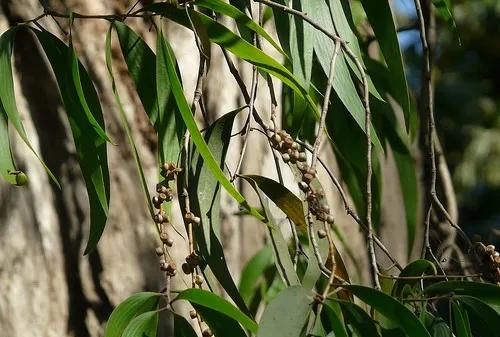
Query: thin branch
[326,103]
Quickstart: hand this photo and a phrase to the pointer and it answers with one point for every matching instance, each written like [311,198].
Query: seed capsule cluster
[292,153]
[489,260]
[165,194]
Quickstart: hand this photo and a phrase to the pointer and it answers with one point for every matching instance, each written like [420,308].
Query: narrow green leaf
[7,164]
[141,64]
[144,325]
[287,314]
[90,147]
[345,32]
[392,309]
[415,268]
[169,127]
[253,271]
[460,320]
[241,19]
[334,314]
[198,140]
[182,328]
[224,37]
[381,19]
[93,101]
[444,11]
[358,320]
[126,126]
[343,83]
[482,316]
[204,192]
[486,292]
[7,96]
[283,261]
[288,202]
[126,311]
[210,300]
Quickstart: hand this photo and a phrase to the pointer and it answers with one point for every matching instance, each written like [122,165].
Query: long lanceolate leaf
[380,16]
[89,142]
[7,99]
[204,192]
[126,311]
[126,125]
[224,37]
[7,164]
[197,138]
[203,300]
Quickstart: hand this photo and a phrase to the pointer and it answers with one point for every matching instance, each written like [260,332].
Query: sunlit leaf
[144,325]
[206,299]
[381,19]
[253,271]
[283,261]
[415,268]
[392,309]
[287,314]
[7,164]
[90,146]
[8,101]
[204,191]
[126,311]
[126,126]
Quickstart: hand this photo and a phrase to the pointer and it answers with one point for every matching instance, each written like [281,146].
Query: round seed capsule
[286,157]
[321,234]
[21,179]
[169,242]
[187,269]
[196,220]
[159,251]
[302,156]
[303,186]
[330,219]
[193,314]
[198,280]
[206,332]
[164,237]
[307,178]
[158,218]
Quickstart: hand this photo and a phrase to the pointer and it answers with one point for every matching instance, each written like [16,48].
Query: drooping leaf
[141,65]
[88,102]
[182,328]
[444,11]
[460,320]
[126,311]
[7,164]
[482,316]
[224,37]
[197,138]
[341,23]
[170,127]
[206,299]
[335,318]
[392,309]
[144,325]
[343,83]
[283,261]
[381,19]
[287,314]
[8,101]
[253,271]
[204,192]
[288,202]
[90,146]
[415,268]
[241,19]
[358,319]
[488,293]
[125,124]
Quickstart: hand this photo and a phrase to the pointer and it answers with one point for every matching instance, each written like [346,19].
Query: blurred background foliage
[467,105]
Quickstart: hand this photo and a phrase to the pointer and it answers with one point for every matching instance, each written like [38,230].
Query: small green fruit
[21,178]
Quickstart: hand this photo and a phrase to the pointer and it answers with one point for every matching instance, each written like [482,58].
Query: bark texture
[47,287]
